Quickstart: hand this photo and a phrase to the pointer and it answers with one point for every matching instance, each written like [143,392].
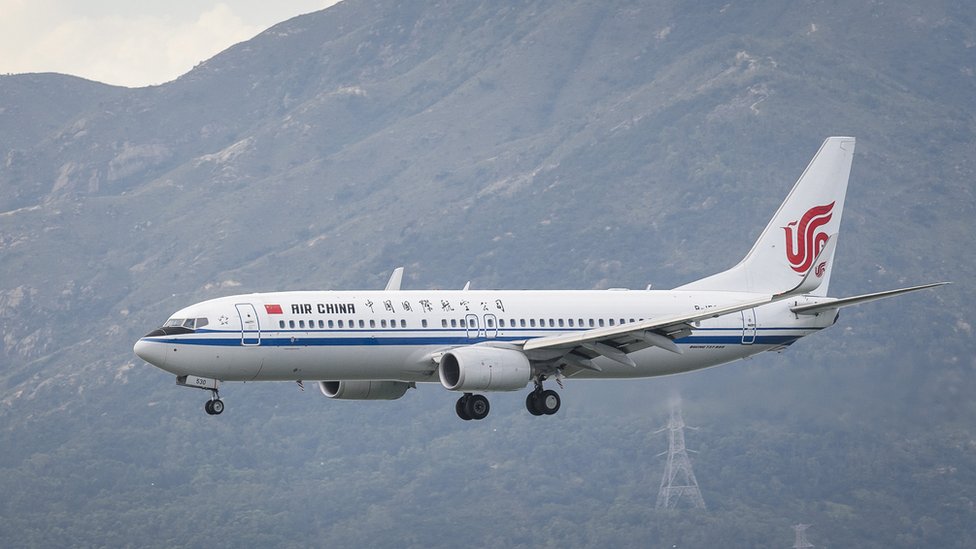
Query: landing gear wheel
[477,406]
[461,408]
[208,406]
[216,407]
[548,402]
[532,403]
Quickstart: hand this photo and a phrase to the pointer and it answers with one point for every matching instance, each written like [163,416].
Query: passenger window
[372,323]
[281,323]
[383,323]
[532,322]
[362,323]
[491,323]
[453,323]
[611,322]
[423,323]
[522,322]
[601,322]
[443,323]
[301,323]
[403,323]
[591,323]
[560,323]
[291,324]
[552,323]
[571,323]
[501,322]
[463,324]
[340,324]
[331,324]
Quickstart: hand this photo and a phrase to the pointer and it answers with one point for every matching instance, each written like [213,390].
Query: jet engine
[484,369]
[364,390]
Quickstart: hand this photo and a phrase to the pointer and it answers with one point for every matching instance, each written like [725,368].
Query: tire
[532,403]
[549,402]
[460,408]
[477,407]
[208,407]
[217,406]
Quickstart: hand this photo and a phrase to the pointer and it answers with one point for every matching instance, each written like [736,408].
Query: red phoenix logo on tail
[803,247]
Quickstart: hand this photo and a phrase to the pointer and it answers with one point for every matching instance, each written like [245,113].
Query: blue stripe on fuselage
[447,340]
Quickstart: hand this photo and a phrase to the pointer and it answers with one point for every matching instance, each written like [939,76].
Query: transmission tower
[801,537]
[679,480]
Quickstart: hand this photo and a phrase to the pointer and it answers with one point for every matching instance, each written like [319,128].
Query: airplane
[376,345]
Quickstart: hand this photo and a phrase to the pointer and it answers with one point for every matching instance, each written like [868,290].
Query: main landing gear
[539,402]
[542,401]
[472,406]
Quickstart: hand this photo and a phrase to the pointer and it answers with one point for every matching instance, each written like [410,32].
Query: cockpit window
[188,323]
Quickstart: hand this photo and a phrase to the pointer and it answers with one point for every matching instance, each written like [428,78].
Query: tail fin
[796,234]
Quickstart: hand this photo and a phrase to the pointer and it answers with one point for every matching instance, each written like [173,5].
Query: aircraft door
[748,326]
[250,327]
[472,326]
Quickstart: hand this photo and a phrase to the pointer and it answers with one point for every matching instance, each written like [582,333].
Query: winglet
[395,279]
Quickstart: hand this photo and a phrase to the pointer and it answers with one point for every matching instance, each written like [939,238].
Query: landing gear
[472,406]
[214,406]
[542,402]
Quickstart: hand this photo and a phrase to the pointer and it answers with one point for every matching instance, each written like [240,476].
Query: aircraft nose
[150,351]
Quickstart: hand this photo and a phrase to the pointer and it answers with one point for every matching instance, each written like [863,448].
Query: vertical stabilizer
[798,232]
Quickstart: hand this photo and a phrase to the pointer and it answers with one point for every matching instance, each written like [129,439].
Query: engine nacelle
[484,369]
[364,390]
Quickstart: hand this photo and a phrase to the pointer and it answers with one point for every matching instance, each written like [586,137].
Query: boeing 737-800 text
[375,345]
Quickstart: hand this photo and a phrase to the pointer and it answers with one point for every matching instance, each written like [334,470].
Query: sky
[128,43]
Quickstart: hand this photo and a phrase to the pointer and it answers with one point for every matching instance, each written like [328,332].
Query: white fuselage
[396,335]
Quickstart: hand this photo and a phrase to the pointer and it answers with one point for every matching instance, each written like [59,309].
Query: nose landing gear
[214,406]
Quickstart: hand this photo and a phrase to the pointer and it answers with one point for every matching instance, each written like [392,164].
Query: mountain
[514,144]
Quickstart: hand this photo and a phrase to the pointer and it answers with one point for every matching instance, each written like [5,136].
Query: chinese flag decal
[273,309]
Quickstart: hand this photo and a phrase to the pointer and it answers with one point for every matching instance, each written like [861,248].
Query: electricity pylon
[801,537]
[679,480]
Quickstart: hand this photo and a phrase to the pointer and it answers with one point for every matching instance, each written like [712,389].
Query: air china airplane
[375,345]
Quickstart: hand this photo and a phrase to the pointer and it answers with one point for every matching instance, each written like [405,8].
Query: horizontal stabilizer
[817,308]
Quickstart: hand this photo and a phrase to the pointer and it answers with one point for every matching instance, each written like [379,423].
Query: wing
[616,342]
